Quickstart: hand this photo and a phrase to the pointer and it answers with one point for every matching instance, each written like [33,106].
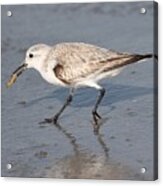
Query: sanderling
[75,65]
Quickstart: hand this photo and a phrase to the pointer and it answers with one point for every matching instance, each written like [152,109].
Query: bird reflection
[103,145]
[96,126]
[70,137]
[75,145]
[85,165]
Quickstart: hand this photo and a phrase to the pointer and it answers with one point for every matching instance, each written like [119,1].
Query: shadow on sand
[85,97]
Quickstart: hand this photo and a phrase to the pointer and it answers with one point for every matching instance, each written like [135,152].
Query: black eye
[31,55]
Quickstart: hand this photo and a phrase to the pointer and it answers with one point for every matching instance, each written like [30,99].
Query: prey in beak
[15,75]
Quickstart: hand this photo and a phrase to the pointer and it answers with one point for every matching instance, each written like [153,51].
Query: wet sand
[71,150]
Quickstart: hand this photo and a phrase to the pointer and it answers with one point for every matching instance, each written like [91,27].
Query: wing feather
[78,60]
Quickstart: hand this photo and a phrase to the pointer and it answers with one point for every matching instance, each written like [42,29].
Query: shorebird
[74,65]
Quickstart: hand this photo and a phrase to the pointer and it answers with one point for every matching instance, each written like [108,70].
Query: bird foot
[96,122]
[96,116]
[50,120]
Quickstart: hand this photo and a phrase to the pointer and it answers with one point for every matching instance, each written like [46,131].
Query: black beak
[20,69]
[15,74]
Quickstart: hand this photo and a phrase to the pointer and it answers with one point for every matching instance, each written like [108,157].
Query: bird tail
[138,57]
[126,59]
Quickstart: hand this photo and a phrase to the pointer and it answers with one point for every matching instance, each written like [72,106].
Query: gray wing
[78,60]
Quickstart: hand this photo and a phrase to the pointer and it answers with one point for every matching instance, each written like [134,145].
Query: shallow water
[71,150]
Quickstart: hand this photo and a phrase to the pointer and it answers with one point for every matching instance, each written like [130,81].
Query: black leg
[67,102]
[96,116]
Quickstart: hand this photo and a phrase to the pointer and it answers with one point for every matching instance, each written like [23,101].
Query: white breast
[47,72]
[50,77]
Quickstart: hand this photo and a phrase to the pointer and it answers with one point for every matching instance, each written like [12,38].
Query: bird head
[35,56]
